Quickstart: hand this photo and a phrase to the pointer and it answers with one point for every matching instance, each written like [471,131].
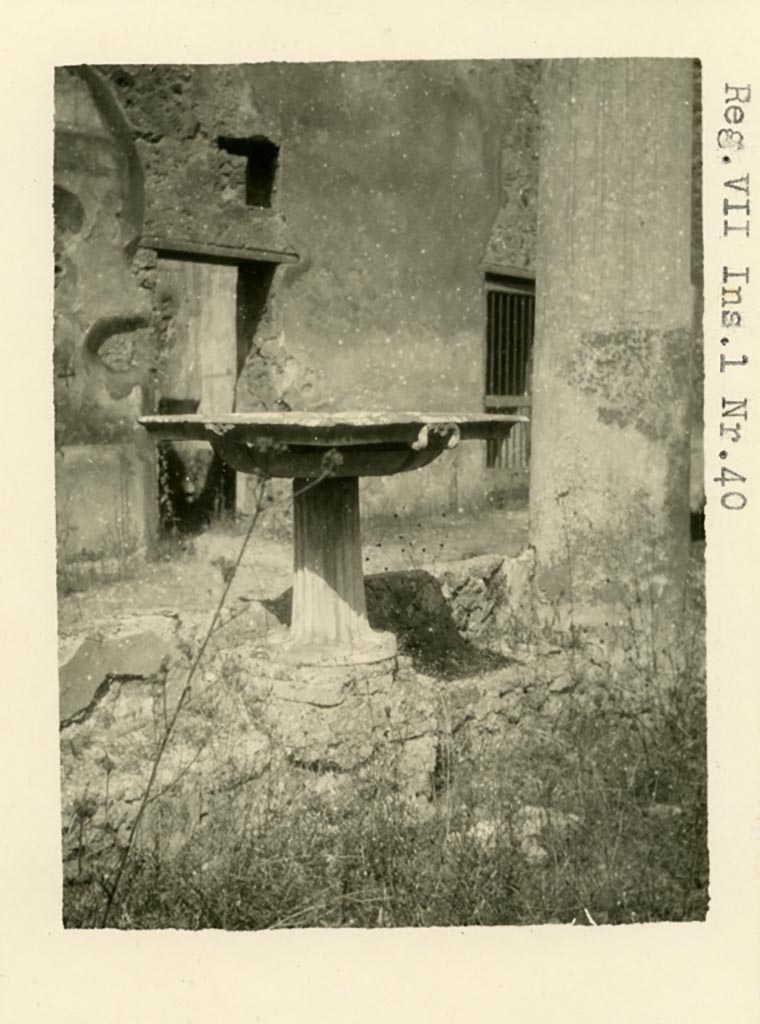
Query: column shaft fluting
[329,608]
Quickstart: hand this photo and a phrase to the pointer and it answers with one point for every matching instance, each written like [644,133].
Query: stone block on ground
[139,647]
[336,718]
[245,729]
[472,588]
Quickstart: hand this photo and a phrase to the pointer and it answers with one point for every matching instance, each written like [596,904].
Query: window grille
[510,316]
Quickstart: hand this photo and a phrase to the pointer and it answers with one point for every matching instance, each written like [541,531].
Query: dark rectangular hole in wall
[262,158]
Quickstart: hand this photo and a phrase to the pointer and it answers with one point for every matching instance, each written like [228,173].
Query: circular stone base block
[376,647]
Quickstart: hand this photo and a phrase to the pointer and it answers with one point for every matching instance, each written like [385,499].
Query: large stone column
[609,504]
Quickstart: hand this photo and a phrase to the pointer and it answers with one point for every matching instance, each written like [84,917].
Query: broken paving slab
[137,648]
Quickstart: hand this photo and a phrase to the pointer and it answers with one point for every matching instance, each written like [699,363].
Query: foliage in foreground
[278,854]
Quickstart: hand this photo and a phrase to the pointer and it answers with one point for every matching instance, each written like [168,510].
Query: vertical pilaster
[609,503]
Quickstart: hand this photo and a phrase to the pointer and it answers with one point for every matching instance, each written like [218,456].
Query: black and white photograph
[379,493]
[380,606]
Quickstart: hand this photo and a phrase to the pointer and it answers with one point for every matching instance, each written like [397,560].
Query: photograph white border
[703,972]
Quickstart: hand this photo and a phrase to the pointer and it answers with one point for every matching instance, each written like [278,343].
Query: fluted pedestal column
[329,616]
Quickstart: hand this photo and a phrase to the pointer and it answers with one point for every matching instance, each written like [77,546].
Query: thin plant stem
[169,728]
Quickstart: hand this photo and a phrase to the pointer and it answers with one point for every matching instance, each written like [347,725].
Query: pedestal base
[334,720]
[374,647]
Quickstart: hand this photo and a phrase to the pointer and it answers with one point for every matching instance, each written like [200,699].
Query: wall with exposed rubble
[355,283]
[104,343]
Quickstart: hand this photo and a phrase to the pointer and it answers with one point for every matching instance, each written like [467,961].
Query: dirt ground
[187,576]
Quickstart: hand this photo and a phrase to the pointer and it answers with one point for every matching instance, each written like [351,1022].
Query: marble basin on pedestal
[325,454]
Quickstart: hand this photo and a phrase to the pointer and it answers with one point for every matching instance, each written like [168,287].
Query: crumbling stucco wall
[512,243]
[103,349]
[396,184]
[389,183]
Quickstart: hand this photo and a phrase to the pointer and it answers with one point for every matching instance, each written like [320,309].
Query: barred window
[510,316]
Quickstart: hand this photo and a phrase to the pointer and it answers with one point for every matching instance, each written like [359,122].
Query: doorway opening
[212,311]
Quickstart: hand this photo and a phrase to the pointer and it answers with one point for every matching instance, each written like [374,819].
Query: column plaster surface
[609,504]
